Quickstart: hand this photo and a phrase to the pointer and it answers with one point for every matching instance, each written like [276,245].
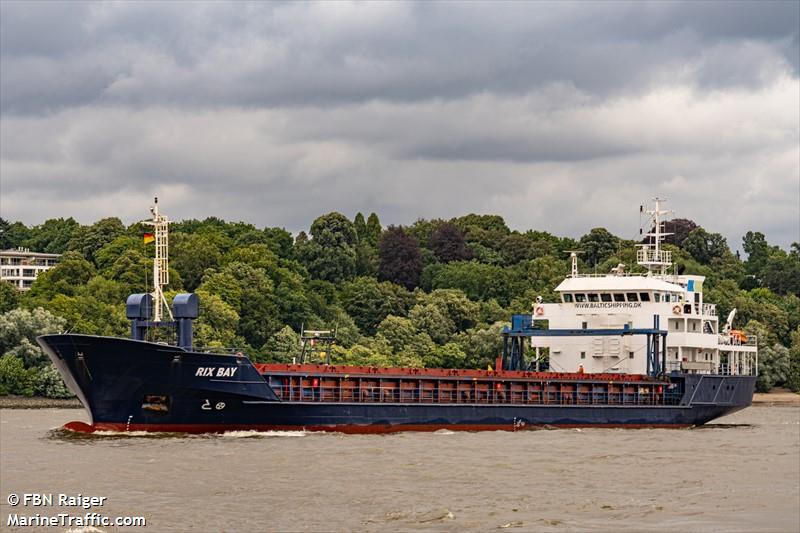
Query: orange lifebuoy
[676,309]
[539,310]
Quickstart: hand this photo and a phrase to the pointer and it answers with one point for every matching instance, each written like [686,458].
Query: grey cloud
[558,116]
[270,54]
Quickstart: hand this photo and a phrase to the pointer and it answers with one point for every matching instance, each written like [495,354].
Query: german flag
[149,237]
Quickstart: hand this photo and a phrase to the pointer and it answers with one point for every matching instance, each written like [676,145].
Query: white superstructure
[695,342]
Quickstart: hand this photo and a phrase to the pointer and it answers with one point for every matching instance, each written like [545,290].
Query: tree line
[435,293]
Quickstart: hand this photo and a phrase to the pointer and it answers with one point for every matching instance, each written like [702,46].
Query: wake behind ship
[686,374]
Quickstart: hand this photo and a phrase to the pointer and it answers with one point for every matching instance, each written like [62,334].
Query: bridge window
[632,297]
[567,298]
[605,297]
[594,297]
[580,297]
[644,296]
[619,297]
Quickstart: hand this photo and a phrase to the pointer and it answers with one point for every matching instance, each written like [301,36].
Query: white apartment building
[20,267]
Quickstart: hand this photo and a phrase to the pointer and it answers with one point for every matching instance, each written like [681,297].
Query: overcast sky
[559,117]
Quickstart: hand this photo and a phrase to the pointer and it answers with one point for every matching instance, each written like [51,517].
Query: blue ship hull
[115,379]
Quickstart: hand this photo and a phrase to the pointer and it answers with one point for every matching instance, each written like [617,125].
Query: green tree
[486,230]
[398,332]
[14,377]
[110,252]
[217,324]
[481,345]
[192,255]
[53,236]
[705,246]
[9,297]
[374,229]
[430,319]
[251,293]
[134,272]
[360,226]
[47,382]
[89,315]
[793,379]
[476,280]
[369,301]
[773,367]
[516,248]
[455,305]
[67,277]
[449,355]
[283,346]
[755,245]
[19,329]
[781,273]
[331,253]
[13,235]
[280,241]
[88,240]
[598,245]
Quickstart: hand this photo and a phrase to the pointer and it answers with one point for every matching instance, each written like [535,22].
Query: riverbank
[776,397]
[37,402]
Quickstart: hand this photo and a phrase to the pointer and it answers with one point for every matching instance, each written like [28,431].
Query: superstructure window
[594,297]
[632,297]
[583,355]
[567,298]
[605,297]
[657,297]
[619,297]
[644,296]
[580,297]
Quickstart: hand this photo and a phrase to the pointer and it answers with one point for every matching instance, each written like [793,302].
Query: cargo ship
[625,350]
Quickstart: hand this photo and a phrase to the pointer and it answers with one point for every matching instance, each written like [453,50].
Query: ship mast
[573,255]
[651,256]
[160,225]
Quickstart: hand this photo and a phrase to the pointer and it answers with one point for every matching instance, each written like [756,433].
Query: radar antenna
[160,225]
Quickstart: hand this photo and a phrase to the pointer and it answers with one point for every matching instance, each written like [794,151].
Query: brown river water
[740,474]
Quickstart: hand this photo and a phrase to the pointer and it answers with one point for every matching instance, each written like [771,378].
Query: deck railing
[388,395]
[733,340]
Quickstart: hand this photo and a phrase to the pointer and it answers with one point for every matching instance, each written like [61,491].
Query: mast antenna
[650,255]
[573,255]
[160,225]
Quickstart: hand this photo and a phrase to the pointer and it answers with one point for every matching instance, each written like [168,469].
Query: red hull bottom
[83,427]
